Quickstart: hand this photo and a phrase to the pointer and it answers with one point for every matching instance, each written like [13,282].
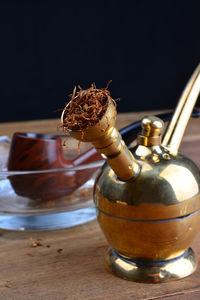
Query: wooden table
[77,272]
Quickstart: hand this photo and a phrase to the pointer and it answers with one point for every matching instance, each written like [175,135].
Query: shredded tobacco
[35,243]
[8,284]
[60,250]
[86,108]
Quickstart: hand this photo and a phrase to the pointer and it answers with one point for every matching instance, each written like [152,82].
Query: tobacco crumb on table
[8,284]
[60,250]
[35,243]
[29,254]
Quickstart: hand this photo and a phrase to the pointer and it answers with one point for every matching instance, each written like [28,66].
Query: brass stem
[107,140]
[176,128]
[118,156]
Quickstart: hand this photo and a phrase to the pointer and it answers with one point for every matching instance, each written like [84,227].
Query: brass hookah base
[150,233]
[151,271]
[147,198]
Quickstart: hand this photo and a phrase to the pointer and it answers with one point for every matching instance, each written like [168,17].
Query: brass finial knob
[151,131]
[152,126]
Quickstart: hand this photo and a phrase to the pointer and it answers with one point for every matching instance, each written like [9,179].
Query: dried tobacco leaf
[86,108]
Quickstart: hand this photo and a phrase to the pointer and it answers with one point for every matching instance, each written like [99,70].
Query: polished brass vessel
[148,197]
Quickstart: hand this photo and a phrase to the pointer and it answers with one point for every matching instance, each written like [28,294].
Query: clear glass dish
[56,208]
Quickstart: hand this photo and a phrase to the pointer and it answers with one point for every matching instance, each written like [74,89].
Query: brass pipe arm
[176,128]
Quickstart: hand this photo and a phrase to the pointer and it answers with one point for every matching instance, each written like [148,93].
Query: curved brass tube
[176,128]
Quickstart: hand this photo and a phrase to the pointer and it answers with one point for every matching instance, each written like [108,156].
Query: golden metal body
[149,214]
[152,219]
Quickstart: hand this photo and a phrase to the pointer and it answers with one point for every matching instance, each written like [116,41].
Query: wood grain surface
[69,263]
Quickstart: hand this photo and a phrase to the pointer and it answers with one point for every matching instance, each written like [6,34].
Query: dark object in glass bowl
[38,152]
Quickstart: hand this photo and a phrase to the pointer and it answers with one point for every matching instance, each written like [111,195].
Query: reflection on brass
[145,271]
[148,201]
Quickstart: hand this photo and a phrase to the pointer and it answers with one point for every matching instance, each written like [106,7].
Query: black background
[148,48]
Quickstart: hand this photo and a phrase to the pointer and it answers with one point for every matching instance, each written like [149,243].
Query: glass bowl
[60,203]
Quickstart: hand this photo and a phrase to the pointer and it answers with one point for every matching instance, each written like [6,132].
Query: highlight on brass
[148,197]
